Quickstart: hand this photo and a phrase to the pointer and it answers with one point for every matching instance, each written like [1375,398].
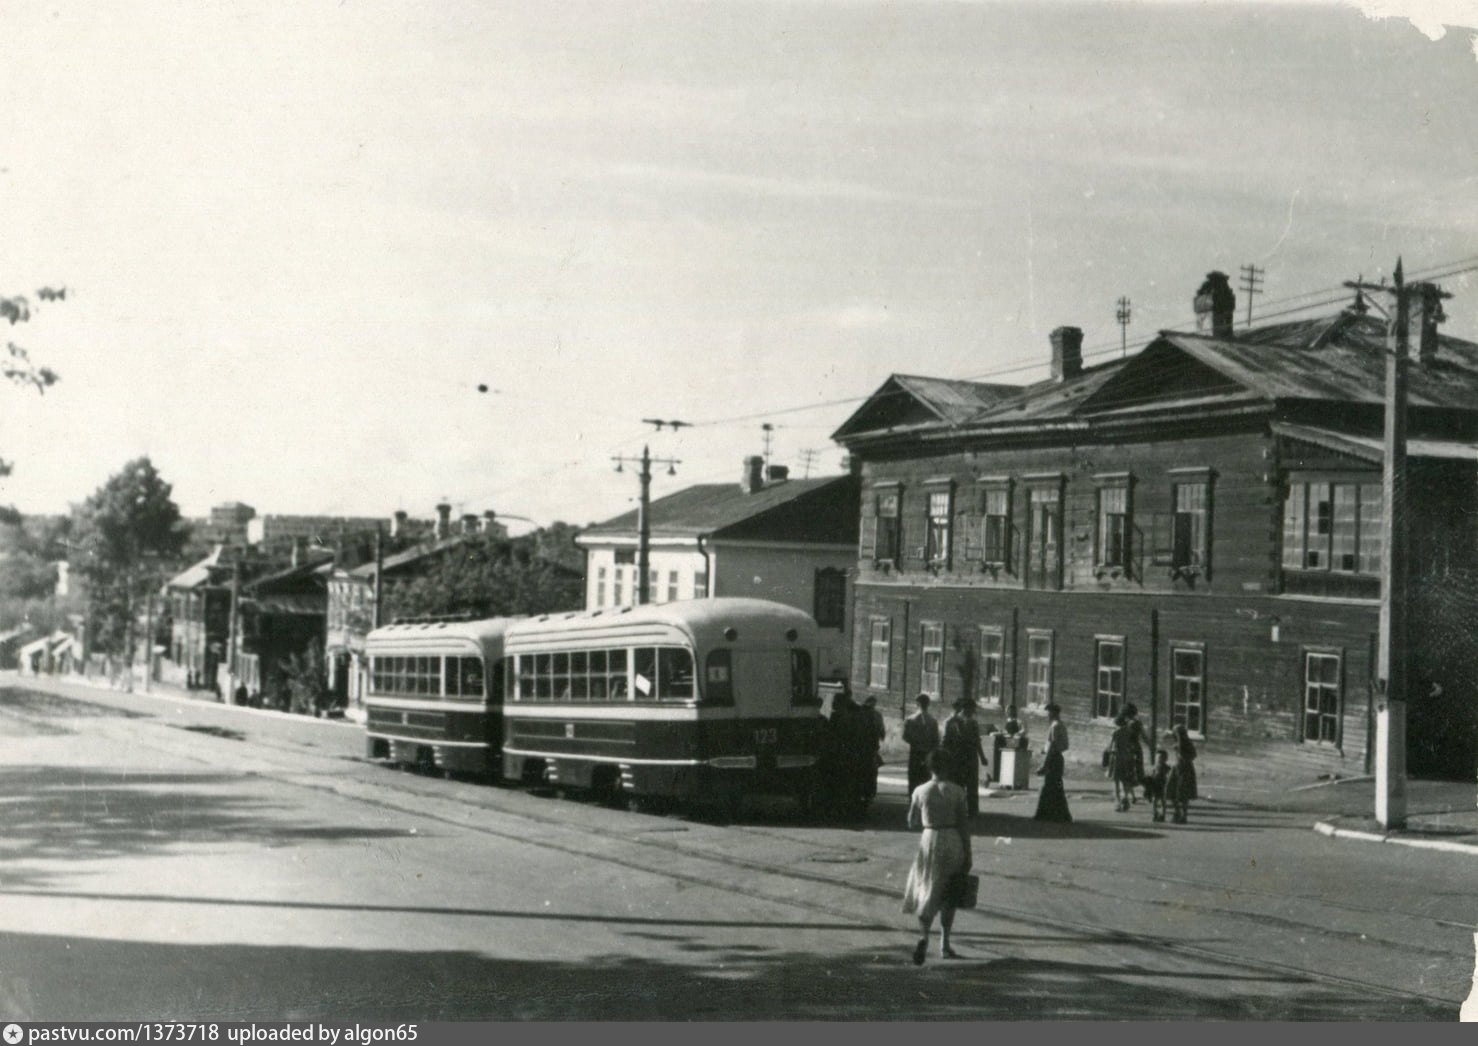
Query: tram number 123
[767,735]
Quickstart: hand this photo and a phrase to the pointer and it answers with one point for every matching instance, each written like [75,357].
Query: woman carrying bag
[939,880]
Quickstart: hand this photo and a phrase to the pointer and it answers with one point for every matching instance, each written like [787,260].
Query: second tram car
[706,700]
[435,694]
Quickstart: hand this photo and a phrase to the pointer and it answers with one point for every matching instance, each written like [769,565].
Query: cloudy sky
[296,237]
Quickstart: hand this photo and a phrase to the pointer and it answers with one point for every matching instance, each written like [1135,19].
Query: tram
[704,701]
[435,694]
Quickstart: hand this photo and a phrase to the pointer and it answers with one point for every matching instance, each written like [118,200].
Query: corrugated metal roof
[410,555]
[1048,399]
[710,507]
[954,401]
[1372,449]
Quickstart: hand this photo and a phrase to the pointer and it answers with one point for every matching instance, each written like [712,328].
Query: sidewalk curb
[1443,845]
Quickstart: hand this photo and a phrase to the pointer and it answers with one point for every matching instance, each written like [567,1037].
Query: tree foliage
[127,536]
[487,576]
[16,365]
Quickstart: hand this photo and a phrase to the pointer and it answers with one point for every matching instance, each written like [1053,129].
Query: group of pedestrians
[853,753]
[1167,785]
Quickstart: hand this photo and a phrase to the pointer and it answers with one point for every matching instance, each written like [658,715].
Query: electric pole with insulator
[1251,284]
[643,516]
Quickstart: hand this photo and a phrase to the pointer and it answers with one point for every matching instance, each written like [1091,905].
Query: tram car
[703,702]
[435,694]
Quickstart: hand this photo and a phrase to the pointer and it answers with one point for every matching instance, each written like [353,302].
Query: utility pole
[1122,315]
[1391,654]
[769,431]
[233,628]
[379,570]
[1251,284]
[807,458]
[643,517]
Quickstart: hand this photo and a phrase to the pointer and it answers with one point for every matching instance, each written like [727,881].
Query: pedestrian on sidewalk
[964,749]
[938,810]
[870,760]
[1052,805]
[1140,742]
[1181,785]
[921,734]
[1123,768]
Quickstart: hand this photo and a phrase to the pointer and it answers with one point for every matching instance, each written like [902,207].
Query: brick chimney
[489,520]
[1217,302]
[1425,315]
[753,480]
[443,521]
[397,523]
[469,523]
[1067,353]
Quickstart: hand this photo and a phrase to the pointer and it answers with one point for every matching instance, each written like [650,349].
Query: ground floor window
[1322,697]
[1038,669]
[932,662]
[881,652]
[1188,687]
[992,665]
[1108,689]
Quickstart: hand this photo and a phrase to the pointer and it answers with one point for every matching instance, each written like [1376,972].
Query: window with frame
[625,556]
[1333,526]
[888,536]
[1113,526]
[1188,687]
[616,591]
[1045,535]
[1108,686]
[1189,543]
[600,586]
[1322,697]
[995,535]
[700,584]
[1039,669]
[830,592]
[880,652]
[931,661]
[672,587]
[939,519]
[993,665]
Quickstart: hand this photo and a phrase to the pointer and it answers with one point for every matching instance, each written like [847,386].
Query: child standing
[1157,784]
[1181,785]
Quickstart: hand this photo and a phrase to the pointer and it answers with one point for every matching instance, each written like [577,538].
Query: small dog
[1158,783]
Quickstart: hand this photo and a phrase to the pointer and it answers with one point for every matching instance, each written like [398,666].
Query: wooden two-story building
[1195,529]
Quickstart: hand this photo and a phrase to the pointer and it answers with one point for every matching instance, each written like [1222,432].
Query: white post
[1390,764]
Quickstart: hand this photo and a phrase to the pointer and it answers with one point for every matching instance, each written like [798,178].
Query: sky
[296,238]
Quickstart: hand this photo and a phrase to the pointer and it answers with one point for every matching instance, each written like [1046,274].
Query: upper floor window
[700,584]
[672,587]
[600,586]
[1333,526]
[996,528]
[880,531]
[617,581]
[940,512]
[1113,526]
[625,555]
[1190,545]
[1044,553]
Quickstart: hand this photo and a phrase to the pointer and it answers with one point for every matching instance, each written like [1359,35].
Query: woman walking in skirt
[938,808]
[1052,806]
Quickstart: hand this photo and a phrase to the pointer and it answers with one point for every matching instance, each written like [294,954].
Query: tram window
[674,674]
[644,672]
[471,672]
[802,692]
[526,678]
[718,678]
[453,677]
[542,677]
[560,677]
[597,661]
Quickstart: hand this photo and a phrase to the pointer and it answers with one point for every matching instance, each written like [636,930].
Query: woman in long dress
[1124,769]
[1052,805]
[938,808]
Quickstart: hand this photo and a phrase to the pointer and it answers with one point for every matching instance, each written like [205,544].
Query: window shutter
[868,546]
[1163,543]
[972,526]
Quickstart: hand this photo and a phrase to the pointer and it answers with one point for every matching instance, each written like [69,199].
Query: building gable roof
[907,400]
[790,510]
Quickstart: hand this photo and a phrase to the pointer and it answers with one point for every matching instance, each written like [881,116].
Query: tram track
[653,851]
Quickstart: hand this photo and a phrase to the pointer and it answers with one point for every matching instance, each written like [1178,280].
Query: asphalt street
[166,858]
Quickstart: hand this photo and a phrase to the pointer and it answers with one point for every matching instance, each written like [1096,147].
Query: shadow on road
[69,814]
[78,978]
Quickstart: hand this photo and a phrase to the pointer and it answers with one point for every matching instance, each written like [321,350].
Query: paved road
[165,858]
